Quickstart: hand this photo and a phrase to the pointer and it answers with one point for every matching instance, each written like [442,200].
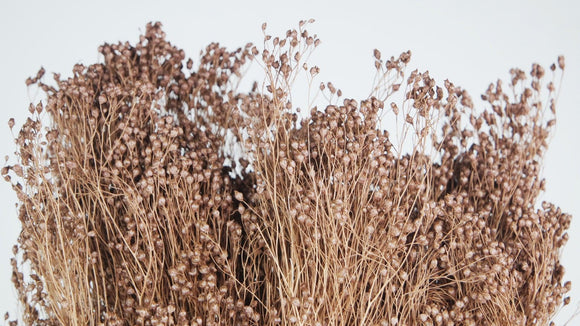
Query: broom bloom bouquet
[153,191]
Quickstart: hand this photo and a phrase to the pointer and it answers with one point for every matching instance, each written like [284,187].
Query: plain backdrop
[471,43]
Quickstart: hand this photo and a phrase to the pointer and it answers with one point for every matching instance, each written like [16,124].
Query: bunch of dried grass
[159,194]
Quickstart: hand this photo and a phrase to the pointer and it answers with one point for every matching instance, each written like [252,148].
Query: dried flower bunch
[159,194]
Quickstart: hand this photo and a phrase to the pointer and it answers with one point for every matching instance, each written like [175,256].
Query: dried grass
[159,194]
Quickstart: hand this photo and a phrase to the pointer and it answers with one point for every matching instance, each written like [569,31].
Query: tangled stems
[159,194]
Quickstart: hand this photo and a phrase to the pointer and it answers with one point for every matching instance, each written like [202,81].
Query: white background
[472,43]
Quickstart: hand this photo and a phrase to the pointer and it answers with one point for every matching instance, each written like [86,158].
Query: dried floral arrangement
[153,192]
